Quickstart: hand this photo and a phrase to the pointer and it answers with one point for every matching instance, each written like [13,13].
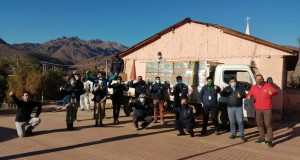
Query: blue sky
[130,21]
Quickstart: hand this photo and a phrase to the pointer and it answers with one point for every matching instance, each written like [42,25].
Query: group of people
[185,114]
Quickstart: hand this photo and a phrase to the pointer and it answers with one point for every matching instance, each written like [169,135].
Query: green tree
[5,69]
[51,82]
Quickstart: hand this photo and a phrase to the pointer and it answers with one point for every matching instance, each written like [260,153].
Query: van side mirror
[270,80]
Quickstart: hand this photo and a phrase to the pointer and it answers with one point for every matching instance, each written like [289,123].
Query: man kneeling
[23,117]
[186,119]
[142,112]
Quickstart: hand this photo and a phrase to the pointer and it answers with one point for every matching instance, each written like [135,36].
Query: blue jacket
[208,97]
[158,91]
[96,81]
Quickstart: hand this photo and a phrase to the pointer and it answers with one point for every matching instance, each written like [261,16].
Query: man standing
[95,80]
[84,98]
[158,95]
[117,65]
[23,117]
[262,94]
[186,119]
[209,101]
[101,93]
[235,94]
[117,97]
[179,91]
[139,86]
[141,112]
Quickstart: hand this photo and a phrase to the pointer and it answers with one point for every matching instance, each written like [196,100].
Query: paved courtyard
[52,141]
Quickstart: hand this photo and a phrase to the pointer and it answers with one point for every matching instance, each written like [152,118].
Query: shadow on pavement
[9,134]
[107,140]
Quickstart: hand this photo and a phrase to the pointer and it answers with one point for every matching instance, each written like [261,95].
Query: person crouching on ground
[186,118]
[23,117]
[235,94]
[142,112]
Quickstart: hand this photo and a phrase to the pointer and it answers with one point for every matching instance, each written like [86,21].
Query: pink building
[190,40]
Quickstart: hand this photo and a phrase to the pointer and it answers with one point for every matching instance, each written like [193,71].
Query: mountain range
[62,50]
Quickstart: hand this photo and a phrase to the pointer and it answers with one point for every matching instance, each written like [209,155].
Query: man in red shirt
[262,94]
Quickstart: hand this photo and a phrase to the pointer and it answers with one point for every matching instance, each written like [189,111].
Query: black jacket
[208,97]
[117,66]
[69,92]
[25,109]
[100,93]
[158,91]
[180,91]
[140,87]
[142,110]
[186,113]
[231,96]
[118,89]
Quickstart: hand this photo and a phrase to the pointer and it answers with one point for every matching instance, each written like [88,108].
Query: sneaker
[203,132]
[101,124]
[192,135]
[244,139]
[270,144]
[117,121]
[162,122]
[260,141]
[232,136]
[29,133]
[217,133]
[155,121]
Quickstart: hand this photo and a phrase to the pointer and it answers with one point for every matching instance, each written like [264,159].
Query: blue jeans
[235,114]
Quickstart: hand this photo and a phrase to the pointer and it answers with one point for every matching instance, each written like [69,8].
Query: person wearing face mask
[117,65]
[95,81]
[209,101]
[142,112]
[235,94]
[139,86]
[262,94]
[23,116]
[117,97]
[186,119]
[179,91]
[72,104]
[158,95]
[100,92]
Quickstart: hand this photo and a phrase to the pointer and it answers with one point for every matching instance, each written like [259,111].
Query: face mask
[142,100]
[157,81]
[233,84]
[118,81]
[184,105]
[76,77]
[72,82]
[210,83]
[179,81]
[100,82]
[25,98]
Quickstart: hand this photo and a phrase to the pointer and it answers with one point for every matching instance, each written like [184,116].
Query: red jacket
[262,98]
